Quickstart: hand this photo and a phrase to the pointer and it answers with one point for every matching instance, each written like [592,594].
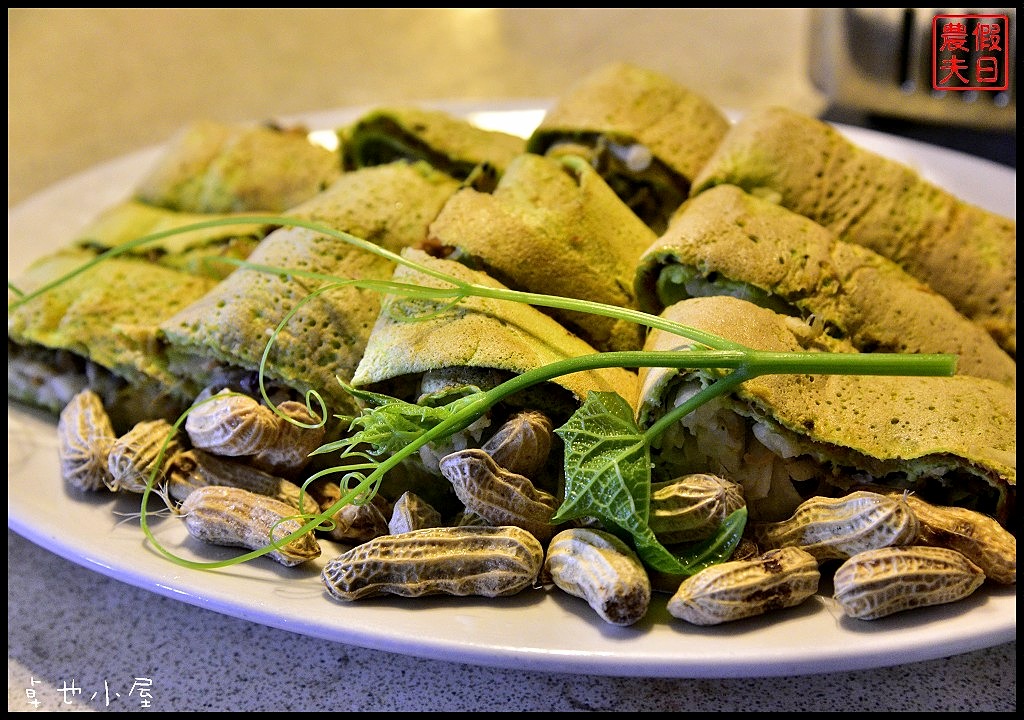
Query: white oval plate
[547,631]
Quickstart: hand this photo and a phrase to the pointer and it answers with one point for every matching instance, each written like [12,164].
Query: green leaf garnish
[711,551]
[608,476]
[388,424]
[607,464]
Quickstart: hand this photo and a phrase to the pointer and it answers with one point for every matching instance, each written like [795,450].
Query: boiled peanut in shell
[777,579]
[486,561]
[979,537]
[877,583]
[837,528]
[237,517]
[600,568]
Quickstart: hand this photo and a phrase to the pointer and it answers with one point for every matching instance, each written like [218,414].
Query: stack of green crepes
[99,327]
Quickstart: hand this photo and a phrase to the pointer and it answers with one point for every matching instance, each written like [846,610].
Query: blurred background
[877,67]
[87,85]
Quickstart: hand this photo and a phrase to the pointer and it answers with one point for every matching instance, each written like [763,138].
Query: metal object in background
[878,61]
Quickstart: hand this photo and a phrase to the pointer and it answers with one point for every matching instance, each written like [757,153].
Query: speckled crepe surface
[727,234]
[680,127]
[109,314]
[212,167]
[389,206]
[414,336]
[962,251]
[446,141]
[960,422]
[548,229]
[194,251]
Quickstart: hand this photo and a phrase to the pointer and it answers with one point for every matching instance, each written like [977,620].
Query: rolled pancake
[99,329]
[555,228]
[195,251]
[962,251]
[952,440]
[227,330]
[413,337]
[646,134]
[451,144]
[212,167]
[727,242]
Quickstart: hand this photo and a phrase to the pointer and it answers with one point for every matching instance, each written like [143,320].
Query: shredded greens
[607,464]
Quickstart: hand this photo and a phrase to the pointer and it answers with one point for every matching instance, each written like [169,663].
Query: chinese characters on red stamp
[970,52]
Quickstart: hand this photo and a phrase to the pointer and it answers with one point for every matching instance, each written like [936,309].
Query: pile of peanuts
[230,477]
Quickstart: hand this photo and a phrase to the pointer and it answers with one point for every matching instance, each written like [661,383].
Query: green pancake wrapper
[648,135]
[726,241]
[99,329]
[451,144]
[389,205]
[212,167]
[962,251]
[413,337]
[787,437]
[195,251]
[555,228]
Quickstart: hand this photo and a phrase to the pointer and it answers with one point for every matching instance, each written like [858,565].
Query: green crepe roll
[962,251]
[648,135]
[451,144]
[552,227]
[213,167]
[951,440]
[98,330]
[225,332]
[195,251]
[496,339]
[725,241]
[430,352]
